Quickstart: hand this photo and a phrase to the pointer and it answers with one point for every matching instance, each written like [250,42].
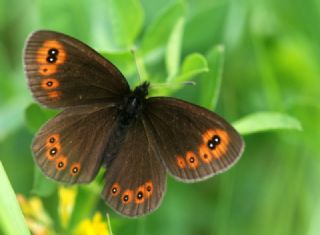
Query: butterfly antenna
[139,71]
[170,84]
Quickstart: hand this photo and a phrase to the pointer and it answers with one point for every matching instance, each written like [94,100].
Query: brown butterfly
[104,123]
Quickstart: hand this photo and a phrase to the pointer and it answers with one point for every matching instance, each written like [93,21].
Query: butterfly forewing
[63,71]
[193,143]
[70,147]
[135,180]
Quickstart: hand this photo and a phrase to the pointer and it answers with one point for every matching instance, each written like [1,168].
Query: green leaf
[193,65]
[11,219]
[11,115]
[266,121]
[173,52]
[116,24]
[126,18]
[158,32]
[36,116]
[123,60]
[42,186]
[210,82]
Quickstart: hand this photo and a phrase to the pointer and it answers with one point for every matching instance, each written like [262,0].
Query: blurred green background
[266,55]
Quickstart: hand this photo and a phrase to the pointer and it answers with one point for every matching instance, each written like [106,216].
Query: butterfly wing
[70,147]
[63,71]
[193,142]
[135,180]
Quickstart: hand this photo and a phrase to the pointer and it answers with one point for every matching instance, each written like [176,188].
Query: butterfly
[103,123]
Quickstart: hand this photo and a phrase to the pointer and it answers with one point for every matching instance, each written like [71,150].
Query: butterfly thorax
[133,104]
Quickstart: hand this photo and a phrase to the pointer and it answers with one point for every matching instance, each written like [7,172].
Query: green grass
[255,63]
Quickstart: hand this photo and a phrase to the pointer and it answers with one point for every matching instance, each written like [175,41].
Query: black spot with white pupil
[191,160]
[60,164]
[49,83]
[114,190]
[53,52]
[75,170]
[214,142]
[140,195]
[52,55]
[53,151]
[52,140]
[126,198]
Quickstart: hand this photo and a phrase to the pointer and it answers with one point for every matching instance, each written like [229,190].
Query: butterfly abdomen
[131,109]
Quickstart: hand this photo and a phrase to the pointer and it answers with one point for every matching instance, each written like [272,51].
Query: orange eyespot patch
[49,83]
[140,195]
[115,189]
[54,95]
[127,196]
[192,160]
[52,140]
[51,52]
[75,169]
[216,141]
[205,154]
[61,163]
[181,162]
[148,188]
[47,69]
[53,151]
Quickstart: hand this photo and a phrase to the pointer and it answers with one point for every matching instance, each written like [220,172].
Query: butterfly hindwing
[135,181]
[70,147]
[63,71]
[193,142]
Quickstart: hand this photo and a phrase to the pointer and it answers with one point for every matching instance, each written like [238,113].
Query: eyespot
[115,189]
[214,142]
[127,197]
[148,188]
[140,195]
[52,140]
[51,51]
[192,160]
[181,162]
[61,163]
[53,151]
[75,169]
[205,154]
[47,69]
[51,59]
[49,83]
[217,142]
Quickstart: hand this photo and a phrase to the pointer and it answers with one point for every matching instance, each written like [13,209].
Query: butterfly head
[134,103]
[141,92]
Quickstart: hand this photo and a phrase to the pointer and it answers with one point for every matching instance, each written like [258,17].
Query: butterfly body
[133,104]
[104,123]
